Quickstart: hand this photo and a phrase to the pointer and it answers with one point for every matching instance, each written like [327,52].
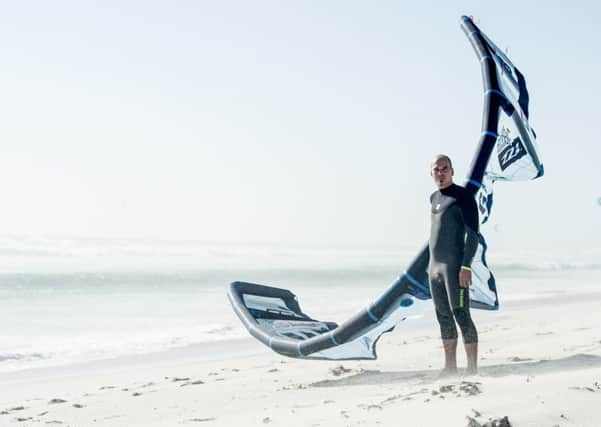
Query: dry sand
[540,366]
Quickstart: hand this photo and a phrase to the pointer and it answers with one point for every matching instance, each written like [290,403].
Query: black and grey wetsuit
[453,243]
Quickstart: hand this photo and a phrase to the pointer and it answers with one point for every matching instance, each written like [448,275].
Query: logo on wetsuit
[509,150]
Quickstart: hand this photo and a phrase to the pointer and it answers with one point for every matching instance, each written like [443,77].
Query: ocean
[65,301]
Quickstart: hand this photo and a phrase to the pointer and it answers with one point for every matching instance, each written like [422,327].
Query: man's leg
[448,330]
[471,351]
[460,303]
[450,357]
[470,338]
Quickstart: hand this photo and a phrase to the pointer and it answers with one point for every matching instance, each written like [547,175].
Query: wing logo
[509,150]
[511,153]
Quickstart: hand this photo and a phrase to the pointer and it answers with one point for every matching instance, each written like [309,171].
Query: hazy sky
[288,122]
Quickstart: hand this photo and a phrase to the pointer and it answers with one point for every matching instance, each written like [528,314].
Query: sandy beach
[540,366]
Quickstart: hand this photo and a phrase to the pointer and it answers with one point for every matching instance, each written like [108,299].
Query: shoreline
[231,348]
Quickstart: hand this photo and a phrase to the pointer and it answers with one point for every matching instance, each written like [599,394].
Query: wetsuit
[453,243]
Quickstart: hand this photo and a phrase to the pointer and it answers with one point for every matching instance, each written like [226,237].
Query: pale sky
[279,122]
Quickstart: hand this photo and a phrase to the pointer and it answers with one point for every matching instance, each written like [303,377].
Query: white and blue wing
[506,151]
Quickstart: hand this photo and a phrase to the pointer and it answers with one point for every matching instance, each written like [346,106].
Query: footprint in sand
[56,401]
[197,382]
[146,385]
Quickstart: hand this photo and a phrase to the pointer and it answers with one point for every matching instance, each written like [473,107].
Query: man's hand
[465,278]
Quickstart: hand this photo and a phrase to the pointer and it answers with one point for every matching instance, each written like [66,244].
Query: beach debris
[476,413]
[446,388]
[56,400]
[499,422]
[339,370]
[470,388]
[197,382]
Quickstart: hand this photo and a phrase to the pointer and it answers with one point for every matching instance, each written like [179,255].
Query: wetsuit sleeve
[470,217]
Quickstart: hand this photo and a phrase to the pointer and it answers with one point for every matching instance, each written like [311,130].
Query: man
[453,243]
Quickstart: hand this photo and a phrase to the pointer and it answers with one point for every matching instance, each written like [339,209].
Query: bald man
[453,244]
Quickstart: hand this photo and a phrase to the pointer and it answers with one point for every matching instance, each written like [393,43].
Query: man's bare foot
[470,372]
[448,373]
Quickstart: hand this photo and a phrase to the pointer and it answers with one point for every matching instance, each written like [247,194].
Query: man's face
[442,172]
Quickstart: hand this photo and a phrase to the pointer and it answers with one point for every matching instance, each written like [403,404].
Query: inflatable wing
[506,151]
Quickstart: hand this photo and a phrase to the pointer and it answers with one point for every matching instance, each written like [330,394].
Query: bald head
[441,169]
[442,157]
